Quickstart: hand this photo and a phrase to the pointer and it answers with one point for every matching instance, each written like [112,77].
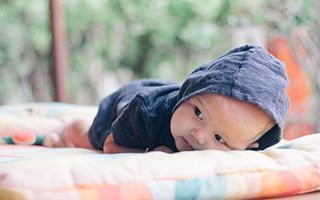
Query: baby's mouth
[187,144]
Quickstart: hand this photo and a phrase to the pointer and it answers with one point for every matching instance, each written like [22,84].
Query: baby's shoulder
[157,101]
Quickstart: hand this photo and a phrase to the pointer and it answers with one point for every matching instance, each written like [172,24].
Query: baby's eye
[219,138]
[198,113]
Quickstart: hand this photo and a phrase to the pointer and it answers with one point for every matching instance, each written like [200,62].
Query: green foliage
[159,39]
[24,46]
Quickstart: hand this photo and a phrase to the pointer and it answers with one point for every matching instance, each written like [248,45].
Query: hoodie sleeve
[130,128]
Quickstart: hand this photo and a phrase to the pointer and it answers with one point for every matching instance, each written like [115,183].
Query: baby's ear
[253,146]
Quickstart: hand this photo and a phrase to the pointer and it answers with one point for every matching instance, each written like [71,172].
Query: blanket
[36,172]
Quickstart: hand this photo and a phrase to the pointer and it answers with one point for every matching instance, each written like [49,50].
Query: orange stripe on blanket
[132,191]
[98,192]
[271,184]
[88,193]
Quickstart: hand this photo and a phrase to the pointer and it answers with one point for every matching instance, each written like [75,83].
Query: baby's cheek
[179,129]
[174,126]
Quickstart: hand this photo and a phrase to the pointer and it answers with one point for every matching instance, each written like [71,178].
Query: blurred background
[103,44]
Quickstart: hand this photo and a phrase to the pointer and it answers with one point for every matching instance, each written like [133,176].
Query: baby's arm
[111,147]
[71,134]
[75,134]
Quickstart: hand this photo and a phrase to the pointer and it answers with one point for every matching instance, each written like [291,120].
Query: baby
[236,102]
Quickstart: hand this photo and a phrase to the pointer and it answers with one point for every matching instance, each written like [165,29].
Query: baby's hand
[53,140]
[163,149]
[71,134]
[57,139]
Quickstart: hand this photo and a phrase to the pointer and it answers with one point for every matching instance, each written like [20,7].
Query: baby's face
[212,121]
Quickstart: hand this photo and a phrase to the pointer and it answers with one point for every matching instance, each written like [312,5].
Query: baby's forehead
[212,98]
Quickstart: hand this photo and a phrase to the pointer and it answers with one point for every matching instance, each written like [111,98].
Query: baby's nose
[198,136]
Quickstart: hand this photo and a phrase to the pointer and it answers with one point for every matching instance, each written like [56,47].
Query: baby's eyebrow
[202,104]
[200,101]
